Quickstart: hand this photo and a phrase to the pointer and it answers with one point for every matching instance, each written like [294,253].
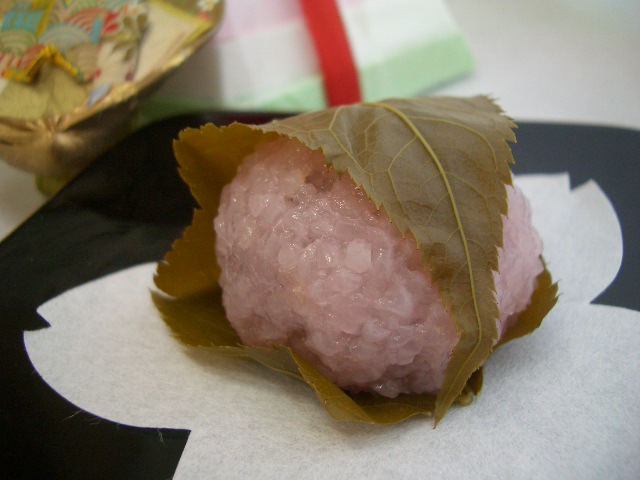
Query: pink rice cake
[309,262]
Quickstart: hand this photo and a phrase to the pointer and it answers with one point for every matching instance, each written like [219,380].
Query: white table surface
[551,60]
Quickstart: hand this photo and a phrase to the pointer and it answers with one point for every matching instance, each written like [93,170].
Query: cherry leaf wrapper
[438,167]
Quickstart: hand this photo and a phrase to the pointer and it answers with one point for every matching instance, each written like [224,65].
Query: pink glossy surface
[309,262]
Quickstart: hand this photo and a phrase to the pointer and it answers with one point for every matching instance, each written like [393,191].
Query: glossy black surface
[127,208]
[611,157]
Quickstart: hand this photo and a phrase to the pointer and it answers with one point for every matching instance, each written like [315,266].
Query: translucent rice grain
[307,261]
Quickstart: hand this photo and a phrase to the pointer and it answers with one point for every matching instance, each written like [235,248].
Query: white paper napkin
[560,403]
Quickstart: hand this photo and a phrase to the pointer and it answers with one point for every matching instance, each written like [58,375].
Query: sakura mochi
[378,251]
[309,262]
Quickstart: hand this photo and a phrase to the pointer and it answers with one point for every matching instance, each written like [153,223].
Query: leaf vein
[439,165]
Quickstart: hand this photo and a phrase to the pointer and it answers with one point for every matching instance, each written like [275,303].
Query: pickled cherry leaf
[208,159]
[438,167]
[543,299]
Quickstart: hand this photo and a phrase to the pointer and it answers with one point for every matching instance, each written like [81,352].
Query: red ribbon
[341,82]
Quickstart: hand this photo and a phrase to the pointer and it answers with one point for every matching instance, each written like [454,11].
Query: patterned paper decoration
[67,33]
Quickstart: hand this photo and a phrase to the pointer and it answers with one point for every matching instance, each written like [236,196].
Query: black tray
[126,209]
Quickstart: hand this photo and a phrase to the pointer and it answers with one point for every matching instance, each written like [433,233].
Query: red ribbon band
[341,82]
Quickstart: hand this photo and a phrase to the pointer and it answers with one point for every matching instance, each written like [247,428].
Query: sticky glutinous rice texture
[309,262]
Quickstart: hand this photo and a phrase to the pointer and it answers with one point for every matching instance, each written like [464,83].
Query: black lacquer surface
[126,209]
